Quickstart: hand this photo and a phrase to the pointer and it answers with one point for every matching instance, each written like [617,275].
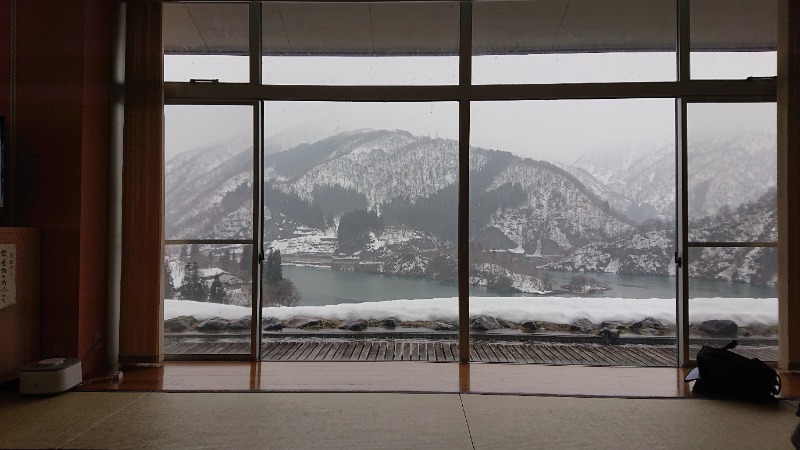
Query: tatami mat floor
[410,405]
[380,420]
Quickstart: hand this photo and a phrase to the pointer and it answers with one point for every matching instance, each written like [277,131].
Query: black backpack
[724,372]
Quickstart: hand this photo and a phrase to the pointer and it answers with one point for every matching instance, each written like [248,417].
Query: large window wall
[580,134]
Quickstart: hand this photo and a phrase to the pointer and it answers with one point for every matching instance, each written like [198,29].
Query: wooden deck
[300,349]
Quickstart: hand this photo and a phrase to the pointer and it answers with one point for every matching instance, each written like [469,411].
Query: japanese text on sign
[8,270]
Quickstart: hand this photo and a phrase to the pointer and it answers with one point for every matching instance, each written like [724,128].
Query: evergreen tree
[277,267]
[192,287]
[273,270]
[354,228]
[217,291]
[194,253]
[210,260]
[283,293]
[225,261]
[184,253]
[268,265]
[278,290]
[169,291]
[245,264]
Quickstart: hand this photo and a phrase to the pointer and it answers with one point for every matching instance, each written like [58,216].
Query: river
[319,286]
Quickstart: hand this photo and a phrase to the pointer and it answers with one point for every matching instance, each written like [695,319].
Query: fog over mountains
[721,173]
[605,213]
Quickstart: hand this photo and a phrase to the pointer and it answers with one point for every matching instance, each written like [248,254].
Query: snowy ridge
[724,172]
[601,190]
[552,199]
[651,253]
[389,166]
[647,254]
[198,182]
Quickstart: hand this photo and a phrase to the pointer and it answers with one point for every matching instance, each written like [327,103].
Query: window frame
[683,90]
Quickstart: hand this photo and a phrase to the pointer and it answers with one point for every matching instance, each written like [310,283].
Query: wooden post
[141,303]
[788,93]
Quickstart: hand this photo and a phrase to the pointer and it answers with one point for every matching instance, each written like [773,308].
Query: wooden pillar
[60,95]
[141,303]
[788,92]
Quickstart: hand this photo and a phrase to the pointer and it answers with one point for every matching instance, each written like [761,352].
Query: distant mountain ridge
[582,218]
[722,172]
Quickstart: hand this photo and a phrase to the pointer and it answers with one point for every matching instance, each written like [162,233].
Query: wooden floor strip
[300,349]
[548,355]
[535,356]
[588,356]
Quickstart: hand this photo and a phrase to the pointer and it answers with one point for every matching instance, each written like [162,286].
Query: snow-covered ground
[743,311]
[310,241]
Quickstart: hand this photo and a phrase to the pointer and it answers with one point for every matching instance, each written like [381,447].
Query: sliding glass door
[208,228]
[732,226]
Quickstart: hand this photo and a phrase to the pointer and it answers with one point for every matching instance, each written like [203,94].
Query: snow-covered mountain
[652,252]
[587,217]
[411,180]
[722,172]
[205,191]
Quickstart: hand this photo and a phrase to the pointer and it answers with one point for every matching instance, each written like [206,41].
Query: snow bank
[743,311]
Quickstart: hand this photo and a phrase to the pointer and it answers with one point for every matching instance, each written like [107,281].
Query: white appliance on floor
[50,376]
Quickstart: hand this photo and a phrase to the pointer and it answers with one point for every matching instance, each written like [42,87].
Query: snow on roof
[212,272]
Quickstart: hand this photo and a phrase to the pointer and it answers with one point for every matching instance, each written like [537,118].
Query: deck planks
[304,349]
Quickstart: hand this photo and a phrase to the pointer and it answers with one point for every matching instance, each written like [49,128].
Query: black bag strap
[731,345]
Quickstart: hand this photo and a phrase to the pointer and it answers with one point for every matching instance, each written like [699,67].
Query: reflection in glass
[362,43]
[736,44]
[572,231]
[573,42]
[206,41]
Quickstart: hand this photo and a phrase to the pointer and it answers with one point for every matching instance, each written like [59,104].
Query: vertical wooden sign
[8,275]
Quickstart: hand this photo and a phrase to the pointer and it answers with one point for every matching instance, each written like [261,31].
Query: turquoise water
[329,287]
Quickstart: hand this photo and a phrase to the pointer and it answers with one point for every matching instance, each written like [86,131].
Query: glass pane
[208,174]
[572,227]
[733,39]
[207,298]
[360,210]
[543,41]
[206,41]
[732,198]
[381,43]
[732,172]
[733,294]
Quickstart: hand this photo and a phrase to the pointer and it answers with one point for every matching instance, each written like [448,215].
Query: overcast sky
[560,131]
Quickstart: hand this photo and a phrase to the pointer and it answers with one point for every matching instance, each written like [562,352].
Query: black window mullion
[258,187]
[465,83]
